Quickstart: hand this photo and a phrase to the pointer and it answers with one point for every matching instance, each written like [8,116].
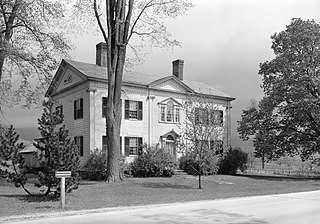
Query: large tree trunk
[113,120]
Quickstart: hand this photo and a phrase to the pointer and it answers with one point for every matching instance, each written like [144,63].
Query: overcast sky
[223,42]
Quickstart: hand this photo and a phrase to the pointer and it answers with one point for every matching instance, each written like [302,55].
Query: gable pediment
[65,77]
[172,100]
[170,83]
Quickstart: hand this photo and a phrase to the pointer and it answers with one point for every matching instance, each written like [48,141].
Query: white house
[151,105]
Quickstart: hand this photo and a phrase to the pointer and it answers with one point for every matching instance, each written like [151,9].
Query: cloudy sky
[223,42]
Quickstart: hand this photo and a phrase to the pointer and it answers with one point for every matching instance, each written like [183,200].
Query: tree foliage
[287,121]
[30,45]
[202,139]
[153,162]
[234,160]
[58,151]
[119,21]
[11,161]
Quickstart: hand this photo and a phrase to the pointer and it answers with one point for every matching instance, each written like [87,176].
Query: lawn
[138,191]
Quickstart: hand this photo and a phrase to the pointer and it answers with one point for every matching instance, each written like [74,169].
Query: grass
[138,191]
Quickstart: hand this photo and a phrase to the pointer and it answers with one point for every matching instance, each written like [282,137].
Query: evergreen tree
[11,161]
[58,151]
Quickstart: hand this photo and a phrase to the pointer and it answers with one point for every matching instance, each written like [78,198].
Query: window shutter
[140,116]
[104,106]
[139,146]
[61,109]
[221,117]
[75,109]
[120,145]
[126,146]
[81,145]
[81,110]
[126,109]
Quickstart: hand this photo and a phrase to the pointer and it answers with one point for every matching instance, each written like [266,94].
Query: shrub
[189,164]
[95,168]
[233,160]
[153,162]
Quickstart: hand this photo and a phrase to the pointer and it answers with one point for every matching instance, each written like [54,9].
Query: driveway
[285,208]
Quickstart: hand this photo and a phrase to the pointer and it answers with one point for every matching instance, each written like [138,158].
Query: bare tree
[30,45]
[119,21]
[202,136]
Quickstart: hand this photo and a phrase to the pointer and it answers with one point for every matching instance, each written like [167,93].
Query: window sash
[78,140]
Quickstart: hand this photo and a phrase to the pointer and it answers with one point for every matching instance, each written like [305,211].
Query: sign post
[63,175]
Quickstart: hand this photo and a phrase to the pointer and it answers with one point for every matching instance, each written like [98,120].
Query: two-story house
[152,105]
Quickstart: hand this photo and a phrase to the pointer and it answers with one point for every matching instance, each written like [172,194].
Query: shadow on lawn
[164,185]
[278,178]
[28,198]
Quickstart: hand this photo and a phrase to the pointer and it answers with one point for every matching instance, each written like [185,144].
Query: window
[177,115]
[133,110]
[78,109]
[132,145]
[78,140]
[218,117]
[170,113]
[105,146]
[216,145]
[104,106]
[163,113]
[202,116]
[59,112]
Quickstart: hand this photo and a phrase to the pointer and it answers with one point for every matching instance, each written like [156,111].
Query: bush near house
[153,162]
[233,160]
[189,165]
[95,168]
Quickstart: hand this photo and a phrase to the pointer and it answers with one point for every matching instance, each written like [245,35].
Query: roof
[93,71]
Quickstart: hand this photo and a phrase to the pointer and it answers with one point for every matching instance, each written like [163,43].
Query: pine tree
[58,151]
[11,161]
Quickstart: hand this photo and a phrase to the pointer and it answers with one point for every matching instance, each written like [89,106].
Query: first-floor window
[78,140]
[217,146]
[132,145]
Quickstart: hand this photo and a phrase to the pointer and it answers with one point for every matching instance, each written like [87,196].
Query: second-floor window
[78,109]
[59,112]
[170,113]
[206,116]
[133,110]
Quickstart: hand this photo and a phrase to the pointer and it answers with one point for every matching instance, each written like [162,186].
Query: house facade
[152,106]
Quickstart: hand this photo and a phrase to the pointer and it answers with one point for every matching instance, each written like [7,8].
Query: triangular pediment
[174,102]
[65,77]
[170,83]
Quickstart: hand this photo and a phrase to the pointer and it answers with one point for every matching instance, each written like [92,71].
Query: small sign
[60,174]
[63,175]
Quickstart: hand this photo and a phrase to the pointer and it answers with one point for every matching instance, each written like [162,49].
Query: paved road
[286,208]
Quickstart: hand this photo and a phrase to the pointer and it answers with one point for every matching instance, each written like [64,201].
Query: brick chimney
[101,54]
[177,68]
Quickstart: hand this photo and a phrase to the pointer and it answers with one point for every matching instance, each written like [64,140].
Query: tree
[30,45]
[58,151]
[11,161]
[119,21]
[201,140]
[257,120]
[291,84]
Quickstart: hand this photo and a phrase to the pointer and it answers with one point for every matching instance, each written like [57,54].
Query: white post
[63,192]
